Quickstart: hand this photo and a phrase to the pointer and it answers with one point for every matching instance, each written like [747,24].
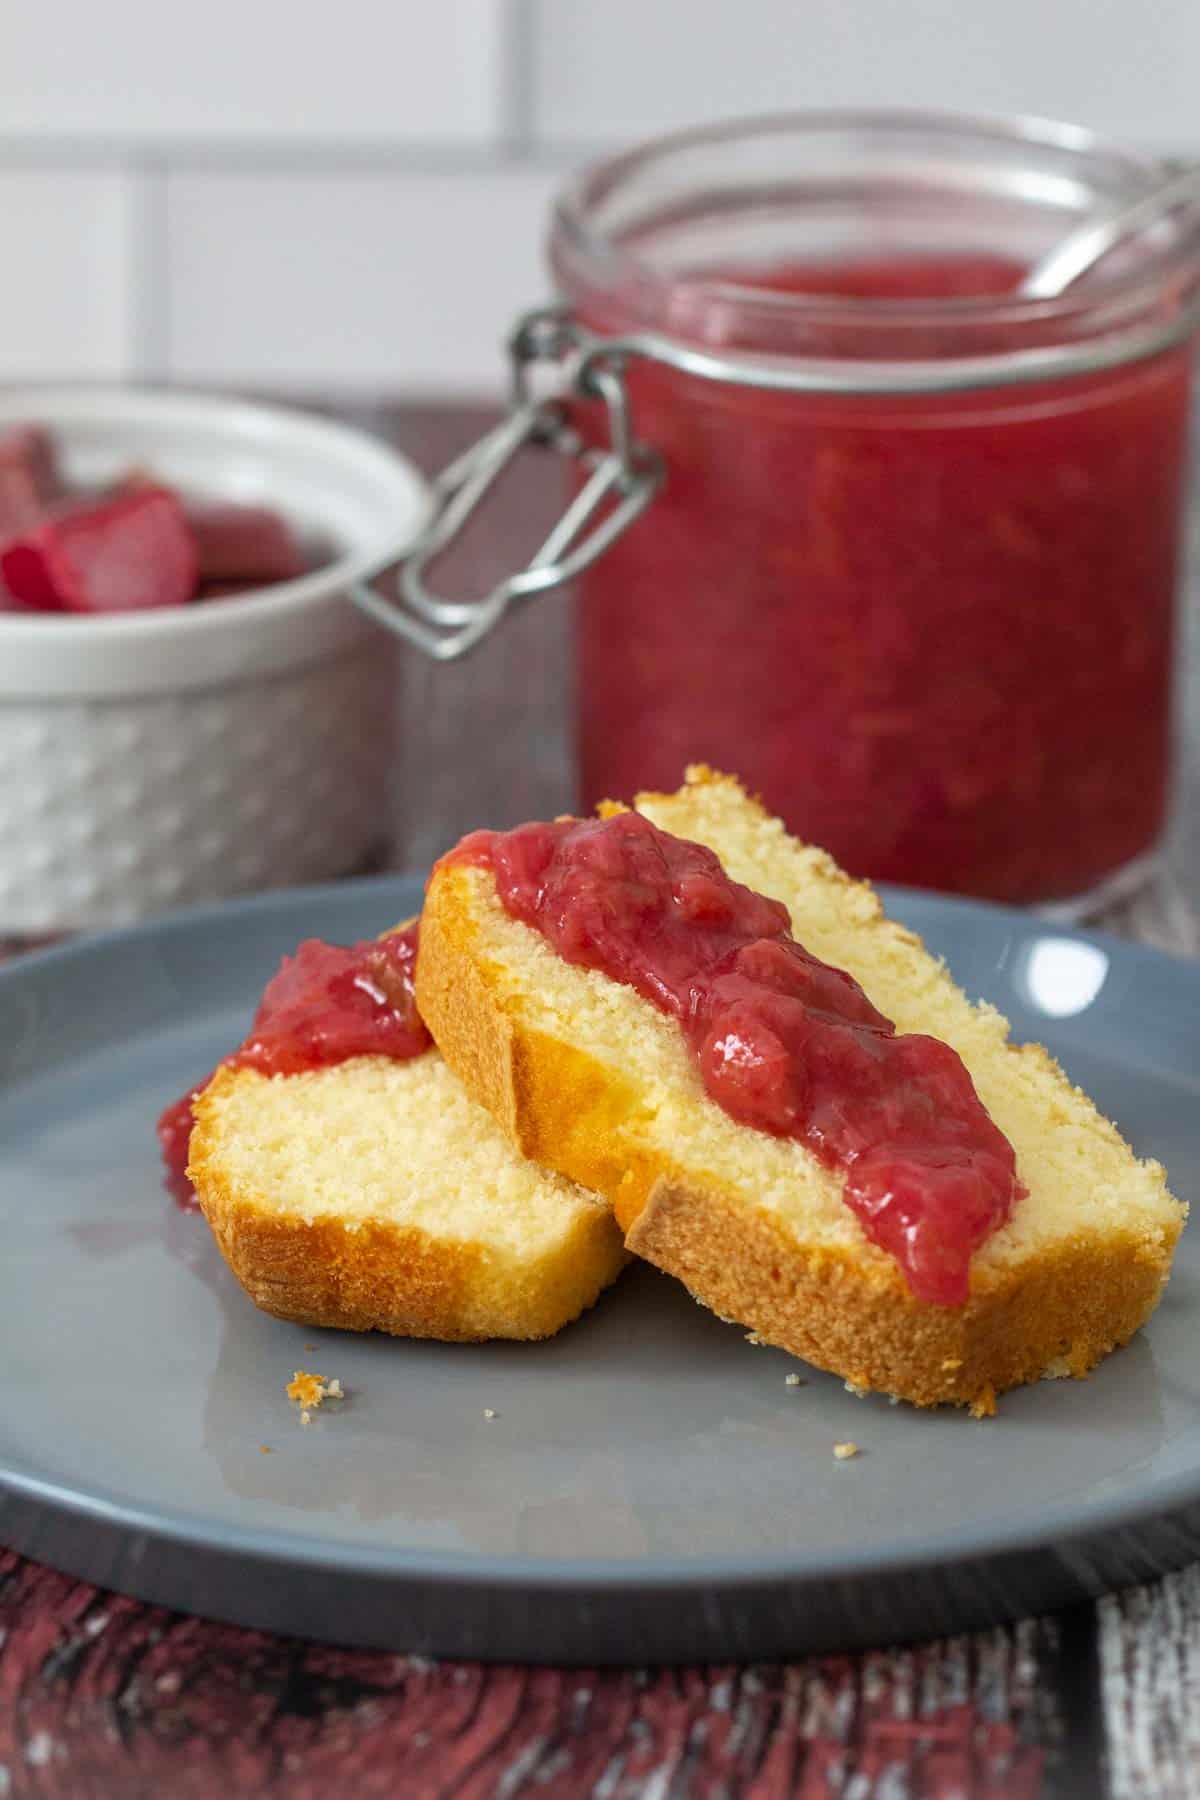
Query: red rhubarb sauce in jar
[933,628]
[783,1042]
[325,1004]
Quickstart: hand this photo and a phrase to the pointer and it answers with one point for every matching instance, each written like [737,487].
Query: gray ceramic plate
[650,1488]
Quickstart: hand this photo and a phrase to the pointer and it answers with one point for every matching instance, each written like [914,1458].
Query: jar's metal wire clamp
[618,483]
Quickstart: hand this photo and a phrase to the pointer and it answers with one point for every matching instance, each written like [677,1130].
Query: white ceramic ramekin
[186,753]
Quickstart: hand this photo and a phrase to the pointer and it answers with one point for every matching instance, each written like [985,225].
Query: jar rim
[585,253]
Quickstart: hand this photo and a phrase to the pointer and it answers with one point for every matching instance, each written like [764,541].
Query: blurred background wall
[351,196]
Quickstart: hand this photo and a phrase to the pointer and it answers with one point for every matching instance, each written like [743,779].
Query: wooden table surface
[103,1696]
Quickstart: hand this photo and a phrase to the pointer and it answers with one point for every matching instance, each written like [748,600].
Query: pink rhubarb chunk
[243,546]
[122,555]
[29,484]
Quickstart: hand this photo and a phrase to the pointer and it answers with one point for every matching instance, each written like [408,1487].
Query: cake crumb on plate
[309,1390]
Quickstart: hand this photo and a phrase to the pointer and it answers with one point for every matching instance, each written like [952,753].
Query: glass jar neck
[860,250]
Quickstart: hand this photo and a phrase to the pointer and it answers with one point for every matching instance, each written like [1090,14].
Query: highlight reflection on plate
[1063,976]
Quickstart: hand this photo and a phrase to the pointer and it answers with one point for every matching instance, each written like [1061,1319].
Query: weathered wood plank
[1150,1688]
[101,1696]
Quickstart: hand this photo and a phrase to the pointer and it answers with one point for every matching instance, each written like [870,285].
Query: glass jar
[911,566]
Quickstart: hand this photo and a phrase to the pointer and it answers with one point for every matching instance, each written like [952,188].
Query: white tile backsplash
[66,306]
[258,71]
[268,193]
[627,69]
[392,281]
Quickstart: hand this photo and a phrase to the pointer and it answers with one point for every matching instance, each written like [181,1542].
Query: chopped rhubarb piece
[24,579]
[29,483]
[135,480]
[247,546]
[122,555]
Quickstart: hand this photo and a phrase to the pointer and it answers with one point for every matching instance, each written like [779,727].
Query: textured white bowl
[185,753]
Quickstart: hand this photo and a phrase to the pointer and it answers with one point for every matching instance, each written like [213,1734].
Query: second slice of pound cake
[372,1193]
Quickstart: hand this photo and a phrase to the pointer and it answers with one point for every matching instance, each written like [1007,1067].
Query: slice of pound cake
[367,1190]
[786,1099]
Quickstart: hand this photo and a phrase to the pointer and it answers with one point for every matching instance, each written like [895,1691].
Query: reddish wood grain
[101,1696]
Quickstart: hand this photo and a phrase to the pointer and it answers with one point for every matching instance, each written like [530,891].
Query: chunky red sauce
[783,1042]
[934,631]
[974,277]
[326,1004]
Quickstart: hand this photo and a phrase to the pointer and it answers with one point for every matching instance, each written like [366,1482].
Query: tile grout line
[304,155]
